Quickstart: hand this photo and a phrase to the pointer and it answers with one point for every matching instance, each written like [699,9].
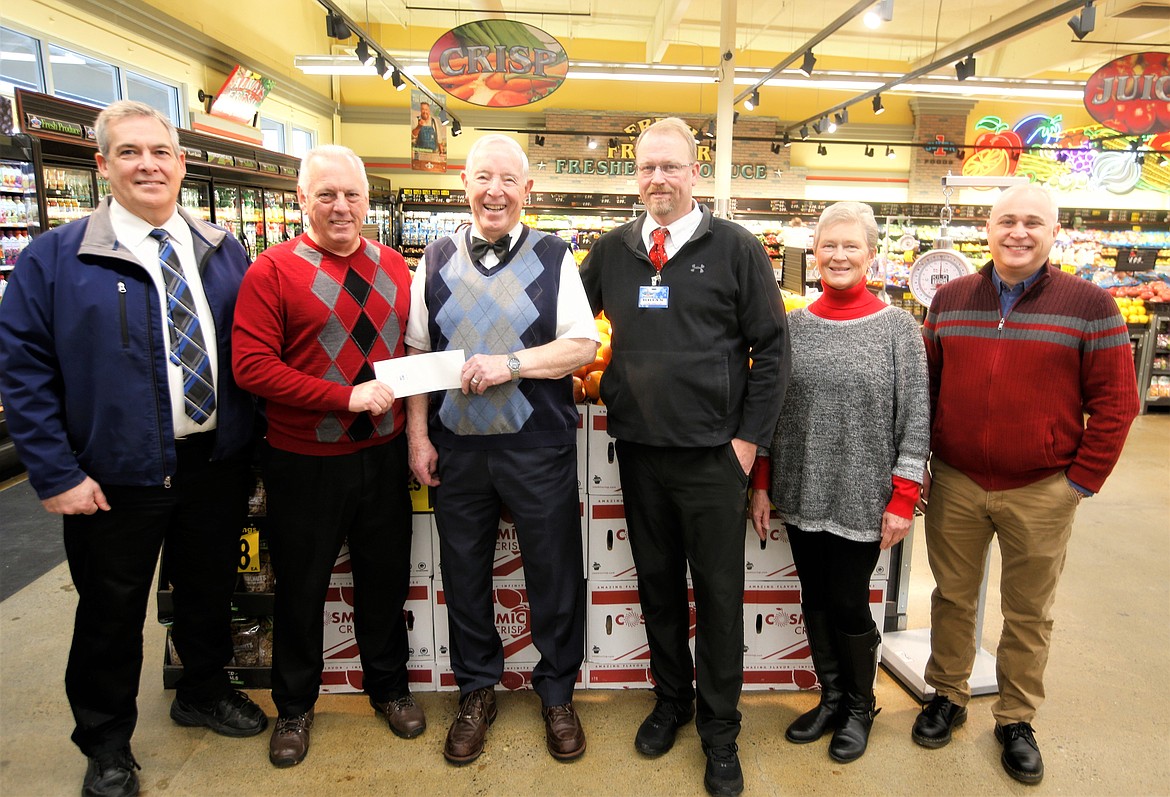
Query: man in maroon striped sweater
[1032,391]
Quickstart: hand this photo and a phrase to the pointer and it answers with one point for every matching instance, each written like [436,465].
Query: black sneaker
[657,732]
[1021,755]
[111,775]
[723,777]
[933,726]
[234,714]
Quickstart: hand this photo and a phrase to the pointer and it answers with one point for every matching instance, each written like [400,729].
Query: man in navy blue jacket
[99,402]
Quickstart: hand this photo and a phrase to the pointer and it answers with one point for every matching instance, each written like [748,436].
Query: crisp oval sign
[498,63]
[1131,94]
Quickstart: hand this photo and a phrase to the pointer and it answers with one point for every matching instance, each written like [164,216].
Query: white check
[421,373]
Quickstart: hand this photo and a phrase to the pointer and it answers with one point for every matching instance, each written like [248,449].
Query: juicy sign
[1131,94]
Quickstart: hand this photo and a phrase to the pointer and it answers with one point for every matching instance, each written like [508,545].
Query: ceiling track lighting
[821,150]
[965,69]
[868,151]
[456,128]
[890,153]
[960,155]
[710,131]
[817,126]
[752,102]
[381,68]
[444,119]
[787,140]
[539,140]
[397,81]
[829,126]
[776,148]
[335,27]
[1083,25]
[878,108]
[804,132]
[613,143]
[882,11]
[590,143]
[363,53]
[810,61]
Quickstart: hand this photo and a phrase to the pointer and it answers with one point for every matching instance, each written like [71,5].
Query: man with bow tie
[510,297]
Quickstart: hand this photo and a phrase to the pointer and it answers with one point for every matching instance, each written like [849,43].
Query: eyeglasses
[667,169]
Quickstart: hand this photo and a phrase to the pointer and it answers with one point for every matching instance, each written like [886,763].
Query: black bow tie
[480,247]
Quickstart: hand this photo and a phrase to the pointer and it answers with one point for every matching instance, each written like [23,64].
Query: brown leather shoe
[563,732]
[406,717]
[289,743]
[465,738]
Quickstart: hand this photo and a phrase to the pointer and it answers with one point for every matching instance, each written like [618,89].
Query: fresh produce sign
[498,63]
[240,96]
[1132,94]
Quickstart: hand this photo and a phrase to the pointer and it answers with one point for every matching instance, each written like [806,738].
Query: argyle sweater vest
[497,311]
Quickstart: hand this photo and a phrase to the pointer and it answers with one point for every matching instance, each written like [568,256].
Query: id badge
[653,296]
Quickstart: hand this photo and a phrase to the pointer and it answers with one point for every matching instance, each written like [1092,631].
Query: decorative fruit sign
[498,63]
[1132,94]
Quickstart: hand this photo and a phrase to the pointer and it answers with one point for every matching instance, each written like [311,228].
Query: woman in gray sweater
[845,463]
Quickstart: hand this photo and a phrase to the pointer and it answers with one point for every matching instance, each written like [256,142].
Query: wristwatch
[514,366]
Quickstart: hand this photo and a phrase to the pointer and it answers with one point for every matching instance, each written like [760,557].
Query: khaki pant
[1033,524]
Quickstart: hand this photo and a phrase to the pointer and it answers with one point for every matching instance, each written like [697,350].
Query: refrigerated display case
[251,192]
[195,196]
[19,216]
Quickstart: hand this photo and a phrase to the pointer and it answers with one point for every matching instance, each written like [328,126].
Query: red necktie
[658,250]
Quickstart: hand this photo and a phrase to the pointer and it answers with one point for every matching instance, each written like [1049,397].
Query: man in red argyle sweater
[1032,391]
[314,315]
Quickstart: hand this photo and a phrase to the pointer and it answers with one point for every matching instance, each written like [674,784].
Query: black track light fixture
[381,67]
[810,61]
[804,132]
[364,55]
[868,151]
[890,153]
[787,140]
[710,131]
[397,81]
[878,108]
[444,119]
[1083,25]
[539,140]
[821,150]
[456,128]
[590,143]
[776,148]
[335,27]
[817,127]
[965,69]
[613,142]
[752,102]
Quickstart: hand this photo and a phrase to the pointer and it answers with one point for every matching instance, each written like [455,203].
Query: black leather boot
[860,666]
[814,724]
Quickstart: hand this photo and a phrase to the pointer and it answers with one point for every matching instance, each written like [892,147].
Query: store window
[302,142]
[82,79]
[159,96]
[273,132]
[20,62]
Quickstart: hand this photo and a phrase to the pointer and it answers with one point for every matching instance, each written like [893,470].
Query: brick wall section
[568,165]
[943,121]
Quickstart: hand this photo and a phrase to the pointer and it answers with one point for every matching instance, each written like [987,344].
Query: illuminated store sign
[498,63]
[1131,94]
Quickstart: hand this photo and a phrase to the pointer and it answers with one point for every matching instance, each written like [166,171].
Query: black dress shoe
[1021,755]
[111,775]
[933,726]
[234,714]
[723,777]
[657,732]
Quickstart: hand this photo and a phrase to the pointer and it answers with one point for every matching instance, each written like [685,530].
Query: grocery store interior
[923,109]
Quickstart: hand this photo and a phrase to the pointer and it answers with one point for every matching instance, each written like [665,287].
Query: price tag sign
[250,549]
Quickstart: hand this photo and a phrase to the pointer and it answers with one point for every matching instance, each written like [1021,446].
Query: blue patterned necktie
[187,347]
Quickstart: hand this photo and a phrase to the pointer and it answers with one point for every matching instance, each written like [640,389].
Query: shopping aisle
[1104,730]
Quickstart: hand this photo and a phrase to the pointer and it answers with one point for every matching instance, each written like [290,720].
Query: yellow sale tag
[250,550]
[420,497]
